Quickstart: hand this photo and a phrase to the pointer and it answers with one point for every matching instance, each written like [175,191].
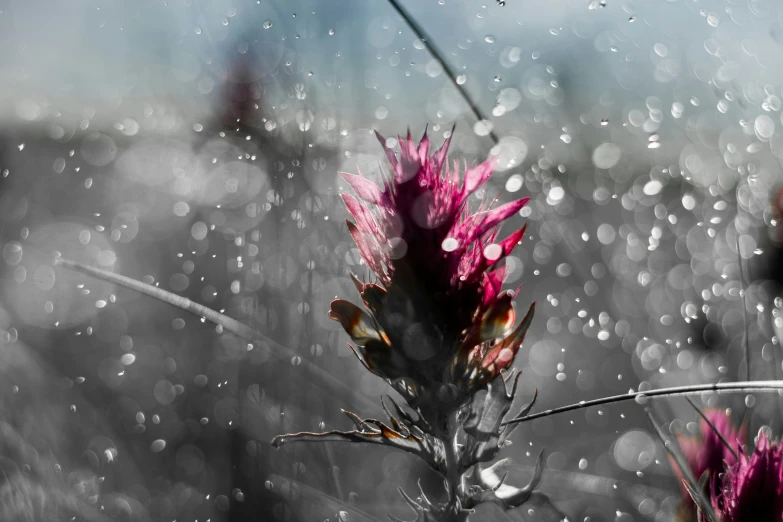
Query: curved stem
[317,374]
[439,57]
[641,397]
[232,325]
[715,430]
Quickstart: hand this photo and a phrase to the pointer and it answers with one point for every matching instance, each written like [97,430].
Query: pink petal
[424,145]
[411,146]
[373,296]
[439,157]
[477,176]
[512,241]
[491,284]
[491,218]
[365,189]
[367,249]
[364,219]
[390,155]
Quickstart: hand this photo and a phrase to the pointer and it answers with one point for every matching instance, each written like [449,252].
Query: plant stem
[453,474]
[728,387]
[744,313]
[232,325]
[439,57]
[713,428]
[317,374]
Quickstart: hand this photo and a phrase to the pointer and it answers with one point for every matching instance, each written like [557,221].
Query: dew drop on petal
[449,244]
[492,252]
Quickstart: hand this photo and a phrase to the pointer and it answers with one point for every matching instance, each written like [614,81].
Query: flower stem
[744,313]
[452,461]
[641,397]
[317,374]
[232,325]
[713,428]
[439,57]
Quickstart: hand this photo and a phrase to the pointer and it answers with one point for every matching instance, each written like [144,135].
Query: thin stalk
[691,484]
[676,391]
[439,57]
[712,426]
[744,314]
[453,473]
[232,325]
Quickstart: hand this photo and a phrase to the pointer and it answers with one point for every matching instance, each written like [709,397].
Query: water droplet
[267,24]
[449,244]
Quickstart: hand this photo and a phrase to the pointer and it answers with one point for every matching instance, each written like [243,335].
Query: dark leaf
[426,447]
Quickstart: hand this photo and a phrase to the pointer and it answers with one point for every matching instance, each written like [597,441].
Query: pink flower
[707,452]
[752,489]
[437,319]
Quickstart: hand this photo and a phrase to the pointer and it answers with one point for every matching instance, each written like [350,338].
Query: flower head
[707,452]
[438,320]
[752,489]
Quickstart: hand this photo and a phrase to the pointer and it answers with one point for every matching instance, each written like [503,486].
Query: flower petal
[438,159]
[477,176]
[364,188]
[424,145]
[502,354]
[390,156]
[492,283]
[512,241]
[369,250]
[495,216]
[354,321]
[498,320]
[364,219]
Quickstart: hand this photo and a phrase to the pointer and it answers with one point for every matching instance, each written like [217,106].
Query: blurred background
[195,144]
